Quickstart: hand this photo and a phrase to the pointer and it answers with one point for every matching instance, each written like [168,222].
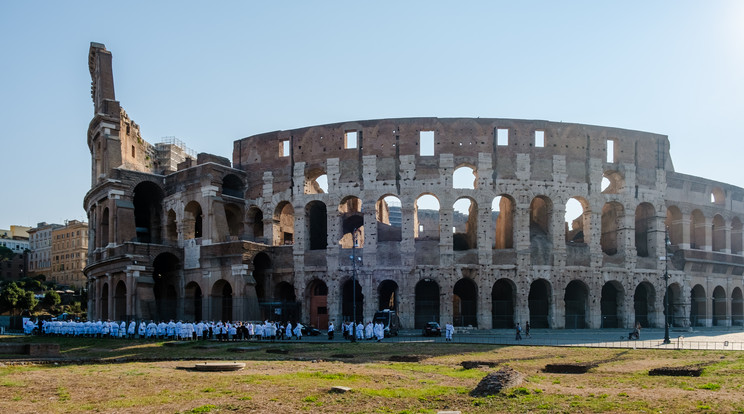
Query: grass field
[136,376]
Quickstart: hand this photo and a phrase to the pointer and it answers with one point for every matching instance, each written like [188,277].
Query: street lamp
[353,283]
[666,286]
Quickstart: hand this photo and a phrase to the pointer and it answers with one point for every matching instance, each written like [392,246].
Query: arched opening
[233,215]
[348,296]
[284,224]
[697,306]
[284,294]
[465,303]
[255,225]
[389,219]
[612,222]
[697,230]
[737,307]
[719,233]
[427,303]
[222,301]
[465,224]
[539,303]
[316,218]
[541,244]
[719,307]
[611,304]
[104,302]
[677,313]
[387,292]
[171,227]
[317,292]
[576,300]
[502,304]
[577,222]
[644,231]
[192,221]
[502,220]
[262,273]
[316,182]
[352,222]
[166,275]
[717,196]
[612,182]
[120,301]
[427,218]
[673,223]
[148,198]
[644,299]
[232,186]
[736,236]
[464,177]
[192,309]
[104,234]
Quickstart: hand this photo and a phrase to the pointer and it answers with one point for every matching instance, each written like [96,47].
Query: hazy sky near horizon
[209,73]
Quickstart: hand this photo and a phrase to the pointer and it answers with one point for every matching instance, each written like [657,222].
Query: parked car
[432,329]
[309,330]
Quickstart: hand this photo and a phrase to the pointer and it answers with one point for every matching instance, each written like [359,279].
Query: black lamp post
[353,283]
[666,286]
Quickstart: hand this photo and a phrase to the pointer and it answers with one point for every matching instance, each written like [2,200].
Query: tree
[10,296]
[27,301]
[6,254]
[51,299]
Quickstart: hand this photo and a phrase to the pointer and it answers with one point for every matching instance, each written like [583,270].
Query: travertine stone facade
[480,236]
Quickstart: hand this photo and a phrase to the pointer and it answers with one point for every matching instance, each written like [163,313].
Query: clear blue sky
[209,74]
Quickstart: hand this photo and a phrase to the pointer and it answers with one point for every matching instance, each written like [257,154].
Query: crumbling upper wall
[464,138]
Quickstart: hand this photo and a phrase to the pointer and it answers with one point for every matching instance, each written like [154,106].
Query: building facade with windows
[69,252]
[40,246]
[481,222]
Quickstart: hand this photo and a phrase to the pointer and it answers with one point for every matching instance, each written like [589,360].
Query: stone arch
[193,300]
[283,224]
[737,307]
[718,196]
[316,296]
[719,306]
[426,303]
[502,221]
[316,181]
[222,301]
[503,297]
[577,221]
[284,294]
[104,232]
[719,233]
[673,223]
[193,221]
[539,301]
[120,301]
[387,292]
[698,314]
[255,225]
[389,219]
[541,243]
[644,300]
[262,274]
[147,200]
[613,182]
[464,177]
[576,300]
[427,217]
[736,236]
[612,222]
[465,303]
[677,315]
[167,281]
[465,224]
[352,222]
[645,219]
[104,302]
[611,304]
[697,229]
[316,223]
[232,186]
[348,297]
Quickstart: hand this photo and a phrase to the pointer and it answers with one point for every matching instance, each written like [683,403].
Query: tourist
[449,329]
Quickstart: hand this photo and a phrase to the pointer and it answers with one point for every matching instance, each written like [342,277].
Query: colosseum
[481,222]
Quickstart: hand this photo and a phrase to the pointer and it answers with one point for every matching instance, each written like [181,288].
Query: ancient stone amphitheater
[481,222]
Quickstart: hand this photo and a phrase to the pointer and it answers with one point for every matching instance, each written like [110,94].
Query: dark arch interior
[465,303]
[427,303]
[502,309]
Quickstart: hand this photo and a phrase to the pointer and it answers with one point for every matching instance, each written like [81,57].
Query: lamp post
[353,283]
[666,286]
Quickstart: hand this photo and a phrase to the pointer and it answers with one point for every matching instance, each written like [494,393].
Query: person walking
[527,329]
[330,331]
[518,336]
[449,329]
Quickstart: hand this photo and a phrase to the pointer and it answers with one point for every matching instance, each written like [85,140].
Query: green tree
[27,301]
[10,296]
[5,254]
[51,299]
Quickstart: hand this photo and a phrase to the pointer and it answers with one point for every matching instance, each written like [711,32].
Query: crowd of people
[172,330]
[360,331]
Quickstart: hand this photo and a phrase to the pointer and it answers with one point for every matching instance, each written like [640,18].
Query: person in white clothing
[330,331]
[288,330]
[449,329]
[379,331]
[360,331]
[298,331]
[369,331]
